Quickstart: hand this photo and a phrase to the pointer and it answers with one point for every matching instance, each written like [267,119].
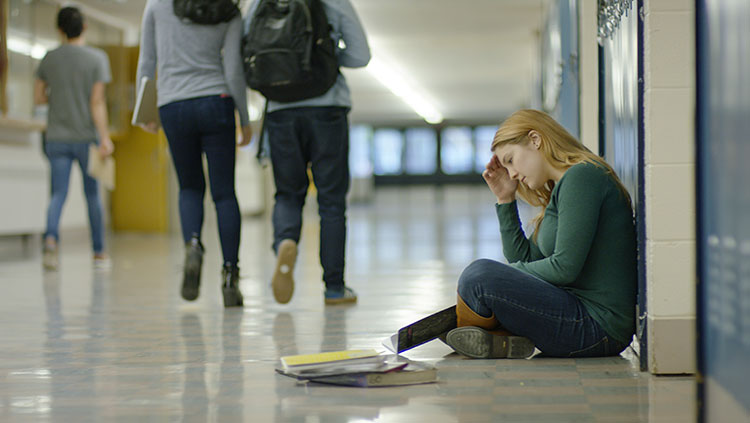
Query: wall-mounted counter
[24,185]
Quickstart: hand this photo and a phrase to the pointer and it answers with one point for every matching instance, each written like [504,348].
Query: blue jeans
[194,127]
[318,136]
[555,320]
[61,156]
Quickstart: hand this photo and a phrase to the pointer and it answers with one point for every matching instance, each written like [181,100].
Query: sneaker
[192,269]
[340,296]
[102,261]
[283,277]
[475,342]
[50,259]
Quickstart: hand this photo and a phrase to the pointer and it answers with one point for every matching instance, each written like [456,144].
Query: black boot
[230,277]
[192,269]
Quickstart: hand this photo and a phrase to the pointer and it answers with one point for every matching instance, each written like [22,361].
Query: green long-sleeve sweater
[586,245]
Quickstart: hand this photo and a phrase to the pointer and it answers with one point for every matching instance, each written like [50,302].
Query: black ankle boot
[192,269]
[230,277]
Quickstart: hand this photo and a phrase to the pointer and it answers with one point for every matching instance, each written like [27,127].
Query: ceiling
[476,60]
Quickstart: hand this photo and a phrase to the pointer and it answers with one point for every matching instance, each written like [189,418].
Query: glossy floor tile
[85,345]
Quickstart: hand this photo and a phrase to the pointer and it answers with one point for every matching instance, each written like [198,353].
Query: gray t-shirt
[70,72]
[190,60]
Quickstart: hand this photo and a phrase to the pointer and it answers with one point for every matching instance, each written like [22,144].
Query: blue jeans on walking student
[555,320]
[318,136]
[194,127]
[61,156]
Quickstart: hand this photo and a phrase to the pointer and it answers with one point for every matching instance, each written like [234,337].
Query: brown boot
[465,316]
[481,337]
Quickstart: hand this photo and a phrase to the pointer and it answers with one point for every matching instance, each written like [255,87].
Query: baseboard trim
[671,345]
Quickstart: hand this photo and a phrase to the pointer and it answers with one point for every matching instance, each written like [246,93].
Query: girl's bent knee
[472,277]
[477,269]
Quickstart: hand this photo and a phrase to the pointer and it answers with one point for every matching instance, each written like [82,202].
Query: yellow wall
[140,201]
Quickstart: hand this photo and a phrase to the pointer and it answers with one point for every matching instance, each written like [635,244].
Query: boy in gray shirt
[72,80]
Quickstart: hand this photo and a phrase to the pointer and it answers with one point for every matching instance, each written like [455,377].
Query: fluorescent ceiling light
[397,85]
[16,45]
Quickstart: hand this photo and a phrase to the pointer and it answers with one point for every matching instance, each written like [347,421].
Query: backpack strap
[262,154]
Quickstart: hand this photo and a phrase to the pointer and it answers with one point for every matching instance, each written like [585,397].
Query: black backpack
[206,12]
[288,53]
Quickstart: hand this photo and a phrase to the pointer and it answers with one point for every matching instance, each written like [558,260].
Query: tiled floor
[120,345]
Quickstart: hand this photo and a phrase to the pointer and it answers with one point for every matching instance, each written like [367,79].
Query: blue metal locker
[723,195]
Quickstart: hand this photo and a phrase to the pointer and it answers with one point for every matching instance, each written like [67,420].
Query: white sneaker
[102,262]
[283,277]
[49,258]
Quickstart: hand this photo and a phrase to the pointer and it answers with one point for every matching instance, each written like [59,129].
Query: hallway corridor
[85,345]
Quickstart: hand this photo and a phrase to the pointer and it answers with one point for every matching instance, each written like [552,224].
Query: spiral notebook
[422,331]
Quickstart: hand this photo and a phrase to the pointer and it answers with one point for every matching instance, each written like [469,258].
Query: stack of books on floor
[356,368]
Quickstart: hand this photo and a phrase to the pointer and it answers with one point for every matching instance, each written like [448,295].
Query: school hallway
[85,345]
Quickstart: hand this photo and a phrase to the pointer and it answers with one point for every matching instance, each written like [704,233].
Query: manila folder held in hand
[146,110]
[101,169]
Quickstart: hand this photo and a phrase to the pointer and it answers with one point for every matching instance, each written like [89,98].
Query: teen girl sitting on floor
[570,289]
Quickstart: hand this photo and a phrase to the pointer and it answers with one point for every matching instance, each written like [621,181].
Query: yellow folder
[326,358]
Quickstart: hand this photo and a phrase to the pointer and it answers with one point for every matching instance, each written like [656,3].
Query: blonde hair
[558,147]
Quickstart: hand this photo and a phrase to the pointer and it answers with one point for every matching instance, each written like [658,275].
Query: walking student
[570,288]
[72,80]
[313,132]
[194,48]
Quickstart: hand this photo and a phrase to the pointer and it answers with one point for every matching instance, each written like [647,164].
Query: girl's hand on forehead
[499,181]
[494,164]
